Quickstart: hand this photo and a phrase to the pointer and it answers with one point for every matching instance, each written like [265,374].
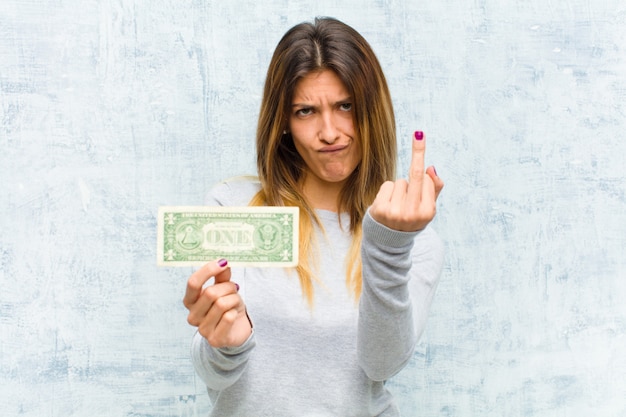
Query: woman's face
[322,127]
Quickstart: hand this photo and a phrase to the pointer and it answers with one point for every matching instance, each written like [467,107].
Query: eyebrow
[342,101]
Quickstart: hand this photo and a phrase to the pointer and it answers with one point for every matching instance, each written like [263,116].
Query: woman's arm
[400,274]
[225,339]
[402,260]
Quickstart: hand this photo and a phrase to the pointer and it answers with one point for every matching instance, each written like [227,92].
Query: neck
[322,195]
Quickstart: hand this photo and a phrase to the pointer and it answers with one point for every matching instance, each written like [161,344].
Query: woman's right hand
[218,311]
[409,206]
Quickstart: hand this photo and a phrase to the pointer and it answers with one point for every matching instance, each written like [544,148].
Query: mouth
[332,148]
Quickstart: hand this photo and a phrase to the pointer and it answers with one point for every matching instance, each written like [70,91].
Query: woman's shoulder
[236,191]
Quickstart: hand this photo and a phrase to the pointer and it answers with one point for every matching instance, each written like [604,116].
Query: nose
[328,130]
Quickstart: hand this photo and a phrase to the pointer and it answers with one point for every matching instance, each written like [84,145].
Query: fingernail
[435,171]
[236,286]
[419,135]
[222,262]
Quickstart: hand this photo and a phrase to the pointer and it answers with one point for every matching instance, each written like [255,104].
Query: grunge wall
[109,109]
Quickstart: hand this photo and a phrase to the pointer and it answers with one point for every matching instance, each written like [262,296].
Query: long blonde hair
[326,44]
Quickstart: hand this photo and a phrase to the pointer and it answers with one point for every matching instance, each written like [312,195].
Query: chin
[335,179]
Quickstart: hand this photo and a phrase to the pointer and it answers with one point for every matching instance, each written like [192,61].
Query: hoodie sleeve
[401,271]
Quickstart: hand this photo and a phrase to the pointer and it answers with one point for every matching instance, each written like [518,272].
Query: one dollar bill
[245,236]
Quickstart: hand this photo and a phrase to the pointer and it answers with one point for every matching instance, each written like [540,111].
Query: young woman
[321,340]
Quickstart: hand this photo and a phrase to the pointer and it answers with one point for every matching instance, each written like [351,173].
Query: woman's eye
[346,106]
[304,112]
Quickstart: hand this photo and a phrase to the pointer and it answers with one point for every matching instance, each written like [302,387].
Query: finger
[226,329]
[210,299]
[429,193]
[200,277]
[229,309]
[223,276]
[385,192]
[214,315]
[399,194]
[416,170]
[381,201]
[432,173]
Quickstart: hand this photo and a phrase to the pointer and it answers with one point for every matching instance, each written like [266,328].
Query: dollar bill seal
[245,236]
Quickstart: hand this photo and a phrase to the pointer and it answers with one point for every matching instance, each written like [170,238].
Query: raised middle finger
[416,170]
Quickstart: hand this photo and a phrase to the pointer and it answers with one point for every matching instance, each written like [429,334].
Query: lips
[332,148]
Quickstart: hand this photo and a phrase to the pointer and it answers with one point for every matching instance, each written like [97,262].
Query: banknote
[245,236]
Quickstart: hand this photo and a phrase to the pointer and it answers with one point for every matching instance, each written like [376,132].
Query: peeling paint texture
[109,109]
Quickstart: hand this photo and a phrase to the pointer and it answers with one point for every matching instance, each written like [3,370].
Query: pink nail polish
[419,135]
[435,171]
[236,286]
[222,262]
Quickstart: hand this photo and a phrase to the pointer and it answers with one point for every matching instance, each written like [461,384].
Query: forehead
[320,83]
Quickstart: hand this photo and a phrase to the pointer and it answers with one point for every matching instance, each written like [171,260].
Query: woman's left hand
[409,206]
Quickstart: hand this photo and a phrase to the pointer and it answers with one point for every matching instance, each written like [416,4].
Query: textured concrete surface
[109,109]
